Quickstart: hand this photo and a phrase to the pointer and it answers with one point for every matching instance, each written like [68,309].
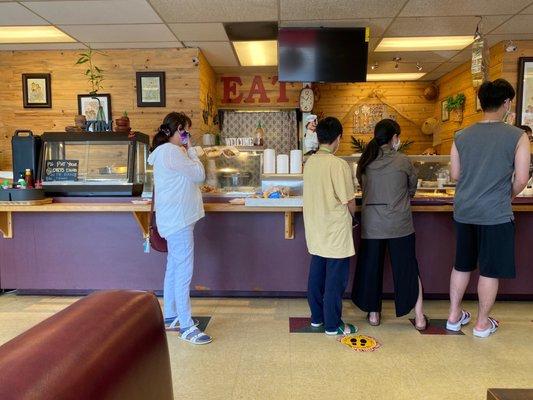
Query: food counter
[76,245]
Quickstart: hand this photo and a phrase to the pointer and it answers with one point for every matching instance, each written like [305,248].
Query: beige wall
[182,89]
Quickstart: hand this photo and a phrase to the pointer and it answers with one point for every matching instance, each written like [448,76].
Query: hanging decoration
[480,57]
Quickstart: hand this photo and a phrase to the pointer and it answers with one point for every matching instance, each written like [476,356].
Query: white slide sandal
[456,326]
[494,324]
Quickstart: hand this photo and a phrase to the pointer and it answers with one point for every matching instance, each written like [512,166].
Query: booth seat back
[108,345]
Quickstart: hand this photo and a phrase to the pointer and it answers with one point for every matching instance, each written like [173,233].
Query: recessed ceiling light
[33,34]
[407,76]
[424,43]
[257,53]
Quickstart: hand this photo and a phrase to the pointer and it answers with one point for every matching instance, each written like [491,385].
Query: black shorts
[490,246]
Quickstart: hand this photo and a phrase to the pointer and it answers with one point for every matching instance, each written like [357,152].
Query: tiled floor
[254,356]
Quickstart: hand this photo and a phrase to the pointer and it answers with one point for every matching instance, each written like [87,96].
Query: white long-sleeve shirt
[178,199]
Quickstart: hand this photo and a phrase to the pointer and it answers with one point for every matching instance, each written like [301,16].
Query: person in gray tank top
[490,161]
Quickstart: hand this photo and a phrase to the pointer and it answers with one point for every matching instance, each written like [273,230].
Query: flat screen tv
[322,54]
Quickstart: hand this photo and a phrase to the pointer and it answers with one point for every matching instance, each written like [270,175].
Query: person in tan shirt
[388,180]
[329,205]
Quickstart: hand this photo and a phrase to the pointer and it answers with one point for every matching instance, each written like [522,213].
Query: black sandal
[374,323]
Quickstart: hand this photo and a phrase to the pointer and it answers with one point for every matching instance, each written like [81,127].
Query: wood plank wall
[337,100]
[460,81]
[208,88]
[182,89]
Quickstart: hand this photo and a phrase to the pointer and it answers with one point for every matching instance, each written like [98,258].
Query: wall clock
[307,99]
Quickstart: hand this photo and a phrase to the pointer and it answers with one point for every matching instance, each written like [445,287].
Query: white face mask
[396,145]
[507,113]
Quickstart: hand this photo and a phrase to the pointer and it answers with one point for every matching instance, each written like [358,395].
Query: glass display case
[232,171]
[93,164]
[433,174]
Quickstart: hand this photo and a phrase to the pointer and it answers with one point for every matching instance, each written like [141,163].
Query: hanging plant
[455,106]
[359,145]
[94,74]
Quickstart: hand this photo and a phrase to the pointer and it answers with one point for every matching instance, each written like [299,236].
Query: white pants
[178,276]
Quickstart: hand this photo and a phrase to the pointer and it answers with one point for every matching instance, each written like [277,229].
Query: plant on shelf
[123,123]
[455,105]
[94,74]
[359,145]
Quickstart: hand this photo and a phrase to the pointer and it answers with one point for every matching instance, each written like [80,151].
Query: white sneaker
[456,326]
[489,331]
[316,325]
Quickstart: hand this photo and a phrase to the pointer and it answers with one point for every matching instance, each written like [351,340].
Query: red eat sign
[231,94]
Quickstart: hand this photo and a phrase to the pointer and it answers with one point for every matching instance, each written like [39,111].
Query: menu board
[61,170]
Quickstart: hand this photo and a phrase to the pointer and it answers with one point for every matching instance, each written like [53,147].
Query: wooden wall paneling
[407,97]
[182,88]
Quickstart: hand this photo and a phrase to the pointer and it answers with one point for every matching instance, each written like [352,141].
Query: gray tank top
[484,190]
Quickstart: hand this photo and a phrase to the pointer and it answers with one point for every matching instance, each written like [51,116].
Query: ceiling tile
[441,26]
[42,46]
[462,56]
[338,9]
[219,54]
[441,70]
[95,12]
[212,32]
[15,14]
[119,33]
[415,8]
[517,24]
[138,45]
[377,25]
[414,56]
[528,11]
[216,11]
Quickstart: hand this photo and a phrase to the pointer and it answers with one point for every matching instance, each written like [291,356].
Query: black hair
[169,127]
[525,128]
[383,133]
[493,94]
[328,129]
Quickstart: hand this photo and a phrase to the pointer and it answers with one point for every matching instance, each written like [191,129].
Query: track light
[418,66]
[374,66]
[510,47]
[397,61]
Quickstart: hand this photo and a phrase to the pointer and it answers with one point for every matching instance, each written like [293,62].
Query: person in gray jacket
[389,181]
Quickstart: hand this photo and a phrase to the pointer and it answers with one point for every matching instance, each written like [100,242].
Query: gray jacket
[388,184]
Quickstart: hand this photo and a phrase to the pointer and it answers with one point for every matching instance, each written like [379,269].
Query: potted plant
[455,104]
[123,123]
[93,73]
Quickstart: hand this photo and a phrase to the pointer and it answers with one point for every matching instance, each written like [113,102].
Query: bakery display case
[433,174]
[93,164]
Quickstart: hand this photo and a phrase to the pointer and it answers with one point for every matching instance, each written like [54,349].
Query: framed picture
[150,89]
[88,105]
[36,90]
[524,98]
[444,113]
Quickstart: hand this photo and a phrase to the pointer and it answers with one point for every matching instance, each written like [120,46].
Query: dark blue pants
[328,278]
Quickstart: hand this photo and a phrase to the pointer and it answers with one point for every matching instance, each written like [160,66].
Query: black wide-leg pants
[368,283]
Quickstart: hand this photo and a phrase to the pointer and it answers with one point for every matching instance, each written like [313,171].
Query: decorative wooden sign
[261,90]
[366,116]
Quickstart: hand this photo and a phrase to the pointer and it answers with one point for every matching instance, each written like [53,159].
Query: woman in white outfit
[178,205]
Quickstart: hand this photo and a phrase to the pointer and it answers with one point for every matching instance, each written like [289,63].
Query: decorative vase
[456,115]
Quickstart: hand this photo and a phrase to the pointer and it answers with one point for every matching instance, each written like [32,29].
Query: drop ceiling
[108,24]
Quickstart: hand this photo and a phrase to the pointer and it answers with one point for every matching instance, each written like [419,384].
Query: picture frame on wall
[37,90]
[88,105]
[151,89]
[524,95]
[444,113]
